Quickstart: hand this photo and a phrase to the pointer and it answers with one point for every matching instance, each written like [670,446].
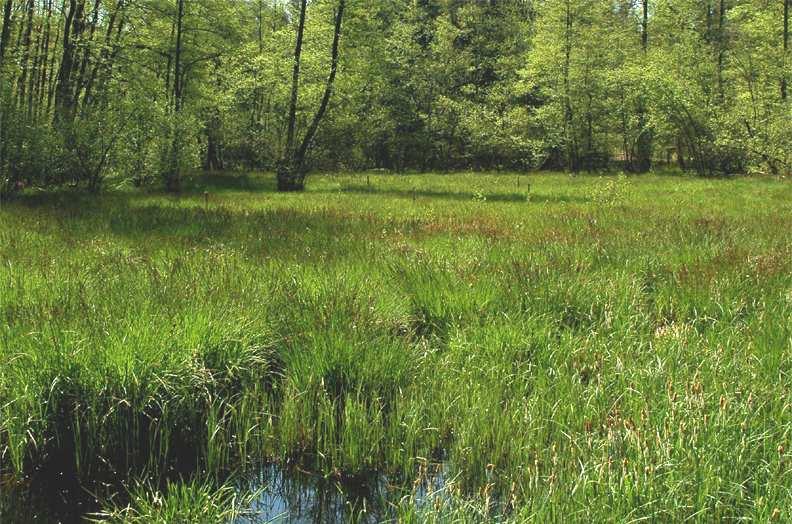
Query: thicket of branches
[144,90]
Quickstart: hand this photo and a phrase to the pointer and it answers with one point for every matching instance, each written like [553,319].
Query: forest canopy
[147,90]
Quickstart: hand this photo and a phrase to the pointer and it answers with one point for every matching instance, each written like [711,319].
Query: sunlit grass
[179,502]
[572,348]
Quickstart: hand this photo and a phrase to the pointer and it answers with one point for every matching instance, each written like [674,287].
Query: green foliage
[421,86]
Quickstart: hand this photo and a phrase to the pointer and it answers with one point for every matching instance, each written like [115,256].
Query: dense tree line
[145,90]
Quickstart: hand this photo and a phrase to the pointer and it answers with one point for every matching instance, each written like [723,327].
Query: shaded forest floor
[577,349]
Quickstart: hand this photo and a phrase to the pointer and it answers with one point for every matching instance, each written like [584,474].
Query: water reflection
[297,497]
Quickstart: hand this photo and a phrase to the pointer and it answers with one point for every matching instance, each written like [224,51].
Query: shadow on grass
[458,195]
[158,217]
[218,182]
[74,201]
[154,217]
[199,183]
[429,193]
[279,229]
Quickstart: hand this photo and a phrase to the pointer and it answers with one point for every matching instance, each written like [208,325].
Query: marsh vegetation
[552,347]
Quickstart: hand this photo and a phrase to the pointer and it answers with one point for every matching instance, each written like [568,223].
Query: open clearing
[577,349]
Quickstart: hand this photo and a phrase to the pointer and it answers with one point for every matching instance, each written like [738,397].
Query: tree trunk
[309,136]
[5,36]
[80,82]
[261,26]
[258,102]
[295,88]
[785,62]
[644,143]
[25,62]
[571,160]
[289,176]
[721,48]
[64,104]
[104,55]
[214,157]
[214,131]
[589,122]
[45,51]
[32,90]
[169,66]
[291,171]
[173,182]
[177,59]
[52,80]
[105,73]
[708,35]
[680,147]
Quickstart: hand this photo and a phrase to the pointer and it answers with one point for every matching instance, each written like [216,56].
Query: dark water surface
[285,496]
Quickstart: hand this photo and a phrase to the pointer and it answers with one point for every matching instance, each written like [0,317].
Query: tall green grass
[178,503]
[573,349]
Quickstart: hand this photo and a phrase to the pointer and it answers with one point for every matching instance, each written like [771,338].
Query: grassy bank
[574,348]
